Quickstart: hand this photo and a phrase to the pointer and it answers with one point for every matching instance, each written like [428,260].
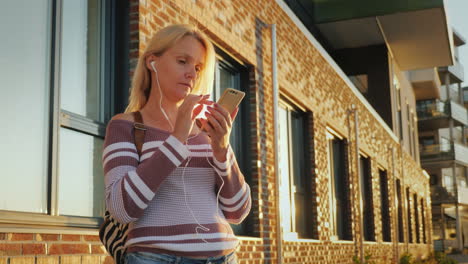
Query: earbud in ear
[154,67]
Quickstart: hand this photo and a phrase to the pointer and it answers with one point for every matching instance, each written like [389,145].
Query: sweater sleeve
[130,185]
[234,198]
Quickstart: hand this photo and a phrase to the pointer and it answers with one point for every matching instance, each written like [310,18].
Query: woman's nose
[191,73]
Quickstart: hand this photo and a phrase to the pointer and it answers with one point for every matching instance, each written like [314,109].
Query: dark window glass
[230,74]
[384,206]
[295,182]
[300,179]
[366,198]
[423,220]
[341,189]
[408,210]
[416,218]
[401,237]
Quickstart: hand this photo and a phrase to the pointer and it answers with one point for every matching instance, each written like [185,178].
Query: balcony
[456,71]
[444,152]
[426,83]
[416,32]
[435,114]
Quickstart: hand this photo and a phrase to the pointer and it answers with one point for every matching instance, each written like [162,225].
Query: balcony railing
[443,152]
[432,109]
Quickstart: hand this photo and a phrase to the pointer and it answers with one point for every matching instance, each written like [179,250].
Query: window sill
[32,223]
[294,237]
[247,238]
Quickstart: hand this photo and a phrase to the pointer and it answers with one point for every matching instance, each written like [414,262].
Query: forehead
[191,47]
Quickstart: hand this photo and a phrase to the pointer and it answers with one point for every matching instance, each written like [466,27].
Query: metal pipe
[279,234]
[395,212]
[361,219]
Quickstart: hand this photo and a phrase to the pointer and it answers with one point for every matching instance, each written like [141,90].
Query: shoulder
[120,127]
[123,116]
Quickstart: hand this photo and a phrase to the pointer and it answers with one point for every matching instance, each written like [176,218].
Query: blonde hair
[162,41]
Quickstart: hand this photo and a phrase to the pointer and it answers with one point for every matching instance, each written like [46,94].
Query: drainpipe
[279,231]
[356,149]
[354,111]
[395,212]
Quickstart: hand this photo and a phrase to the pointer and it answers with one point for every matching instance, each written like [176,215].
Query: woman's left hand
[218,126]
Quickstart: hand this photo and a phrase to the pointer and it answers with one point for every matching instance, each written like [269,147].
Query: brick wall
[242,29]
[28,248]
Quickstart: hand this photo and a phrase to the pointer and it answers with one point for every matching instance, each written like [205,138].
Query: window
[25,82]
[423,220]
[365,182]
[361,82]
[69,99]
[408,209]
[416,218]
[385,206]
[230,74]
[295,200]
[340,206]
[401,237]
[399,117]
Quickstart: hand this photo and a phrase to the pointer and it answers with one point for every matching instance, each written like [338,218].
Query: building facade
[326,136]
[444,154]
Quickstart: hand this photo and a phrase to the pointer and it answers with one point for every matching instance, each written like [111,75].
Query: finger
[214,123]
[206,102]
[219,117]
[207,126]
[223,111]
[225,114]
[197,111]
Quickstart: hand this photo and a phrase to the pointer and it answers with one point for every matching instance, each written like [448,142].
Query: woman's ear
[148,60]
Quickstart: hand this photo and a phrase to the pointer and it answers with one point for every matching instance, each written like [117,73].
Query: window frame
[365,189]
[346,234]
[111,102]
[292,231]
[385,202]
[230,64]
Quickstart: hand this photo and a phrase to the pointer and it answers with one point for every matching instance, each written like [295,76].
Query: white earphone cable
[199,226]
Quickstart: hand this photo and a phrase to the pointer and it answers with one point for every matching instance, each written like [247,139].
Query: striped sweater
[170,197]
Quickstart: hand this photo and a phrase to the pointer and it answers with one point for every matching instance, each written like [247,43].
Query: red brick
[91,238]
[34,249]
[71,238]
[47,237]
[57,249]
[21,237]
[10,249]
[98,249]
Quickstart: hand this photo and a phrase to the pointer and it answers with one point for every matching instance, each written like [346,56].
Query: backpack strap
[139,130]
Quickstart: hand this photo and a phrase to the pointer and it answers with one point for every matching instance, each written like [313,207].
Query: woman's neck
[153,113]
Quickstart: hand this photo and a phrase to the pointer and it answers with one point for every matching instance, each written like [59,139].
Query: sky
[457,14]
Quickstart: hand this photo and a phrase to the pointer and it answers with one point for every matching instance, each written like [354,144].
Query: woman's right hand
[186,115]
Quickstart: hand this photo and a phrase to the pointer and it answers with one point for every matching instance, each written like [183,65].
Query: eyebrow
[184,54]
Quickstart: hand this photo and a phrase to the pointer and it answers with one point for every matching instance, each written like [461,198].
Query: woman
[181,194]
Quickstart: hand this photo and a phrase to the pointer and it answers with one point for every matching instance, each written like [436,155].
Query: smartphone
[230,99]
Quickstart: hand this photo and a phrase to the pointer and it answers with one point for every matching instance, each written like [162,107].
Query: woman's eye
[182,61]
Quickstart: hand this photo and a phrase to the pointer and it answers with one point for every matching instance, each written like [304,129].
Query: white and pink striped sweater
[174,187]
